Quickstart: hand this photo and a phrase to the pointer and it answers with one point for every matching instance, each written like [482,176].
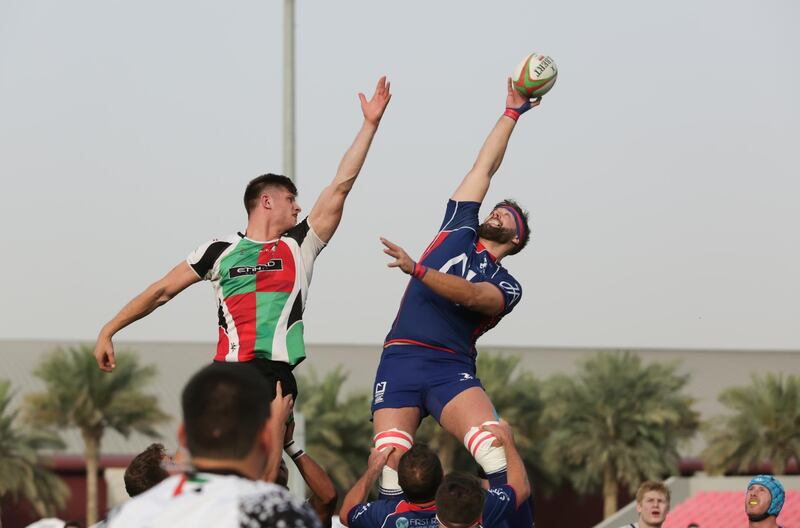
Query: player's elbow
[328,499]
[344,513]
[160,293]
[342,188]
[522,489]
[482,303]
[524,493]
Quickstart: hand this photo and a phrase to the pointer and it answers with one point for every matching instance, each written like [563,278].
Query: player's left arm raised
[327,211]
[481,297]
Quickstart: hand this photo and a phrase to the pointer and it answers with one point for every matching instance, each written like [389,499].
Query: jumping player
[261,276]
[458,291]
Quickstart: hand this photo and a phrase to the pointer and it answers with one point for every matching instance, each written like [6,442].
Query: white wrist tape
[293,450]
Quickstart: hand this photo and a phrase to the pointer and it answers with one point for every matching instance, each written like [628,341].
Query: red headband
[518,221]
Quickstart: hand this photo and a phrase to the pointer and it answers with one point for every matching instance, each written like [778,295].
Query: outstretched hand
[519,102]
[401,258]
[374,108]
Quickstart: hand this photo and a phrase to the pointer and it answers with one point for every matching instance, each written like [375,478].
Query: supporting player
[458,291]
[230,435]
[453,500]
[261,277]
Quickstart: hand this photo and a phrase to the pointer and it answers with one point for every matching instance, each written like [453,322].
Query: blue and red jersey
[500,504]
[429,320]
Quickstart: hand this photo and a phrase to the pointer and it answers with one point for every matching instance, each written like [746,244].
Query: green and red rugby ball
[535,75]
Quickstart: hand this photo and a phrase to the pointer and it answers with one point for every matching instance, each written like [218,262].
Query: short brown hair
[257,185]
[651,485]
[420,473]
[459,500]
[224,410]
[145,470]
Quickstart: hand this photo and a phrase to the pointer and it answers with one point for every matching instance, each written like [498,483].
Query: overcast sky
[661,172]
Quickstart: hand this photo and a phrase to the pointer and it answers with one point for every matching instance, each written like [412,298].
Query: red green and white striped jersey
[261,290]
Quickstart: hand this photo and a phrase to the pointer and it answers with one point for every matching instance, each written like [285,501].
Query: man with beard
[763,501]
[458,290]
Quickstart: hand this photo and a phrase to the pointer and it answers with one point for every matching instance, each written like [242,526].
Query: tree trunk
[609,491]
[92,454]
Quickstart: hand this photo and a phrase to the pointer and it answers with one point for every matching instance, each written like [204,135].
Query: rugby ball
[535,75]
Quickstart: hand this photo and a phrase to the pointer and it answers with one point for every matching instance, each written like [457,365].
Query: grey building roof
[711,371]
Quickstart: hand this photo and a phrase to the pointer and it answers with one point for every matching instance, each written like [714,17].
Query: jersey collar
[480,247]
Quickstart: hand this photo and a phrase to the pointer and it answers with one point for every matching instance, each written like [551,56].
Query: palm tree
[338,429]
[617,421]
[22,472]
[516,396]
[81,395]
[765,426]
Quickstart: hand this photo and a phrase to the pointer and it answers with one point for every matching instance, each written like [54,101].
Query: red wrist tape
[419,271]
[513,114]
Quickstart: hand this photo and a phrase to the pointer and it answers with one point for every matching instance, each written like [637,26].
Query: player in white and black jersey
[231,436]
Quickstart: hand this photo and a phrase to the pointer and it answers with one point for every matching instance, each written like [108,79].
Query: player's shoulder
[366,514]
[204,258]
[463,204]
[267,504]
[230,238]
[218,244]
[501,502]
[144,506]
[460,216]
[504,493]
[299,231]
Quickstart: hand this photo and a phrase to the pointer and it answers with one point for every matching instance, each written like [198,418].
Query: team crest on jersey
[273,265]
[380,389]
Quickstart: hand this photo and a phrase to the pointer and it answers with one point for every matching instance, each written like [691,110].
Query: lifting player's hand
[374,108]
[378,458]
[401,258]
[519,102]
[502,432]
[104,353]
[281,407]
